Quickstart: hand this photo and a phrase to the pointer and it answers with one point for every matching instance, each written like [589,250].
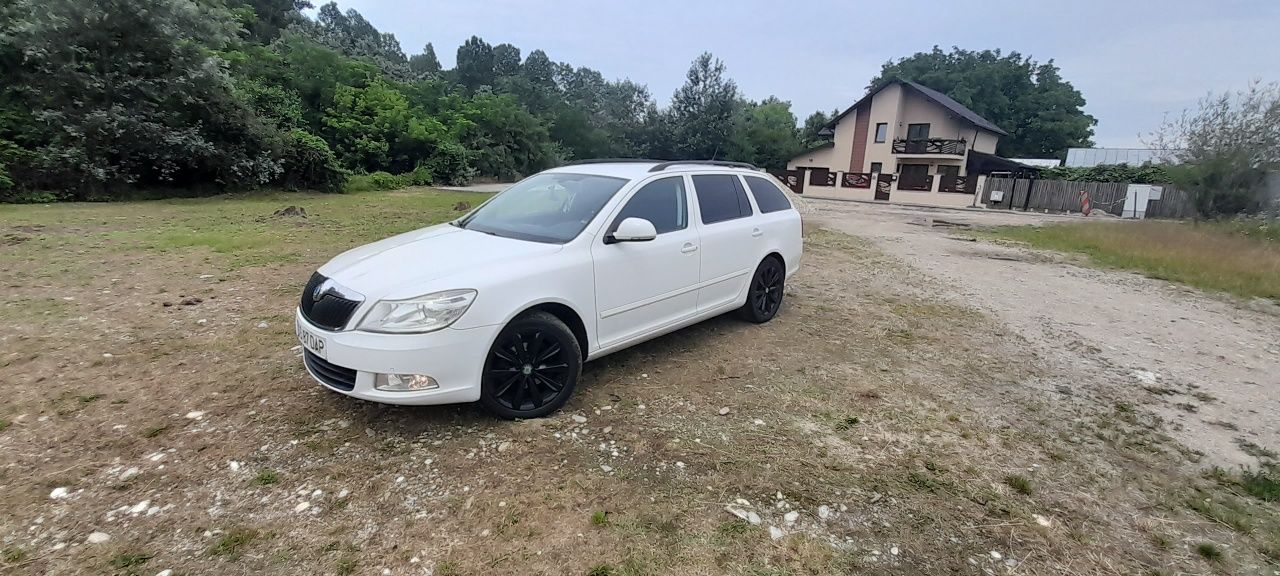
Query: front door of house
[884,183]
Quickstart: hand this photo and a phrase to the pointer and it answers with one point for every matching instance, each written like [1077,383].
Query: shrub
[451,164]
[1144,174]
[385,181]
[421,176]
[307,162]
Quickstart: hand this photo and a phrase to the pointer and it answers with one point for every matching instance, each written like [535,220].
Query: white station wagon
[505,304]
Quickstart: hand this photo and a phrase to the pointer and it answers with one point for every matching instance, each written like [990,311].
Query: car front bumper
[454,358]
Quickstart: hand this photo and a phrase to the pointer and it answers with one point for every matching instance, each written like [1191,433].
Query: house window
[877,167]
[882,130]
[917,131]
[948,171]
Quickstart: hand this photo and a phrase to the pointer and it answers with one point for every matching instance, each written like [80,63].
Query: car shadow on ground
[598,379]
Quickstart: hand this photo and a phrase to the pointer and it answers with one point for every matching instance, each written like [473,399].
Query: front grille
[331,374]
[331,311]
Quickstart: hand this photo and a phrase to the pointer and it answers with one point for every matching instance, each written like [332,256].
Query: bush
[308,163]
[451,164]
[421,176]
[1223,184]
[385,181]
[1144,174]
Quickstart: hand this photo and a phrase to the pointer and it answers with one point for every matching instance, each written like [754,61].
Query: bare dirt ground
[158,419]
[1208,364]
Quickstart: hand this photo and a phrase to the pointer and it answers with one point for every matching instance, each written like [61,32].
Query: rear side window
[768,197]
[721,197]
[661,202]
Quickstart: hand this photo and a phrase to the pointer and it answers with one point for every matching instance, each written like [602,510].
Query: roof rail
[611,161]
[664,165]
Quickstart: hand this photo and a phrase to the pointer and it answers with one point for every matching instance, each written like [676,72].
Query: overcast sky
[1133,60]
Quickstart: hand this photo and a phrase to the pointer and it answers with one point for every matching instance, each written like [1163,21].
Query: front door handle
[689,248]
[756,233]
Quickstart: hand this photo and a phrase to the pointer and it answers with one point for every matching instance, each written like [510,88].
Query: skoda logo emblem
[321,290]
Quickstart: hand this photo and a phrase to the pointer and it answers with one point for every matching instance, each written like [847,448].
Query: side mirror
[632,230]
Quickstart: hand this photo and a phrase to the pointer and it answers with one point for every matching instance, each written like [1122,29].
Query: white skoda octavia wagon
[505,304]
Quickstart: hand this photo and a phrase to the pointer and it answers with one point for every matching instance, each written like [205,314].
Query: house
[902,142]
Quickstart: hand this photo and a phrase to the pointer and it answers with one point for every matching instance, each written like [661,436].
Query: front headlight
[417,315]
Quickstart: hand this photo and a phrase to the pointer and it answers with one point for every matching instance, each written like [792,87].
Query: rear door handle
[689,248]
[756,233]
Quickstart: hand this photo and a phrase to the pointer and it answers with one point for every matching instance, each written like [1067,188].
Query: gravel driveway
[1207,363]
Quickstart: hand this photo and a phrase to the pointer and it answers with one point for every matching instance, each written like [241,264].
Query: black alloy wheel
[532,368]
[764,296]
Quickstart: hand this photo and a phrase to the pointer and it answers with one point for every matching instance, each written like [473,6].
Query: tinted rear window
[768,197]
[720,198]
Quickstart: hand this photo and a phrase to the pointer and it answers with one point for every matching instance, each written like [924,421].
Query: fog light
[404,382]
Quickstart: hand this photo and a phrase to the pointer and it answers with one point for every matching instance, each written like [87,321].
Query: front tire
[764,294]
[532,368]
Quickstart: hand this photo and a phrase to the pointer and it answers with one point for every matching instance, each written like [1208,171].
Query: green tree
[813,125]
[770,133]
[506,60]
[426,63]
[265,19]
[351,34]
[1042,112]
[475,64]
[703,110]
[538,69]
[136,95]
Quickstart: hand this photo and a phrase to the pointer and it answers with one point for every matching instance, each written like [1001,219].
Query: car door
[730,241]
[644,286]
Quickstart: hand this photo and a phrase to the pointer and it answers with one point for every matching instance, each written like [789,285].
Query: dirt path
[1209,365]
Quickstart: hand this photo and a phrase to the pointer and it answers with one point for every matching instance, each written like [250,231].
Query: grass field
[1237,257]
[157,418]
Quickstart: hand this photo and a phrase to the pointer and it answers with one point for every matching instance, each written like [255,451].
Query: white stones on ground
[108,355]
[202,322]
[60,493]
[724,411]
[343,493]
[894,550]
[386,572]
[791,517]
[758,422]
[165,572]
[644,375]
[753,518]
[400,480]
[1145,376]
[503,447]
[484,532]
[130,473]
[206,276]
[743,502]
[580,419]
[233,465]
[195,414]
[824,512]
[1041,520]
[640,407]
[98,538]
[139,507]
[263,325]
[316,494]
[740,513]
[607,429]
[776,533]
[679,464]
[302,507]
[606,468]
[996,555]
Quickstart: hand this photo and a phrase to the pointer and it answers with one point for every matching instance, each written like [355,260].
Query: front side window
[720,198]
[882,131]
[661,202]
[548,207]
[768,197]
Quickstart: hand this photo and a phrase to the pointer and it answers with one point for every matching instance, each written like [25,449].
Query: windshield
[552,207]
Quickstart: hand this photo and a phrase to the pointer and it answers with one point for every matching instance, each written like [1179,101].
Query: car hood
[401,266]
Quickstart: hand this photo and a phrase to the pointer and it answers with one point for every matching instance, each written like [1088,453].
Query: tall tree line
[102,99]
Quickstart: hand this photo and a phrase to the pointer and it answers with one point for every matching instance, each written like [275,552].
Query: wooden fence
[1064,196]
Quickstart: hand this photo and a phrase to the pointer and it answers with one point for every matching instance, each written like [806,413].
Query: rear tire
[764,293]
[532,368]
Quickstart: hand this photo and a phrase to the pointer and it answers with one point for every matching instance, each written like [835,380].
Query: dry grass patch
[1240,258]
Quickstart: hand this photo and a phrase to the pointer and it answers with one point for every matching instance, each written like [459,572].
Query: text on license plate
[311,341]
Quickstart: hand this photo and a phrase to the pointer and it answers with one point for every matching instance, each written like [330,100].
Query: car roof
[634,170]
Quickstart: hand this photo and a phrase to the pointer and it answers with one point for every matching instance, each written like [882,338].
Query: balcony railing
[929,146]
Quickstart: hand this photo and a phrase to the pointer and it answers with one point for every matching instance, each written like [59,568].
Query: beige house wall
[985,141]
[885,107]
[916,109]
[822,157]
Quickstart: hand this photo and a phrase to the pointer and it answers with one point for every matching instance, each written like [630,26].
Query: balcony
[925,146]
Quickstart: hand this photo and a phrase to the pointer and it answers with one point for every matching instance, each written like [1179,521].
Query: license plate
[310,340]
